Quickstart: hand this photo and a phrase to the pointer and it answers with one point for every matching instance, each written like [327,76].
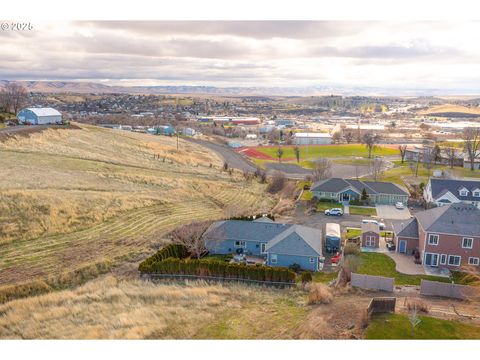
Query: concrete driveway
[390,212]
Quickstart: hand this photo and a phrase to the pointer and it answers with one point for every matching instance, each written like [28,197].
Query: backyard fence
[435,288]
[381,305]
[372,282]
[153,276]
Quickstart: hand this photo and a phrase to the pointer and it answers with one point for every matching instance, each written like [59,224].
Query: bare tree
[370,140]
[277,182]
[452,156]
[414,319]
[349,136]
[279,154]
[13,97]
[377,168]
[403,151]
[322,169]
[296,150]
[191,236]
[471,137]
[428,158]
[337,137]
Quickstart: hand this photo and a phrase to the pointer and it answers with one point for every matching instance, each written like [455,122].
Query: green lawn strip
[354,161]
[329,151]
[351,233]
[322,206]
[358,210]
[397,326]
[381,265]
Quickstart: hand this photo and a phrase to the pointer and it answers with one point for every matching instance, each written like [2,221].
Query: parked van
[332,237]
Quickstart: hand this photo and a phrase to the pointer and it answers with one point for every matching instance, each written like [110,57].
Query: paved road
[233,159]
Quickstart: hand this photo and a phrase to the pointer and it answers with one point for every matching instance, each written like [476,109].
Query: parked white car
[399,205]
[334,212]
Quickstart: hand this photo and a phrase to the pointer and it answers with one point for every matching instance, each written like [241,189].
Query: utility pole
[177,140]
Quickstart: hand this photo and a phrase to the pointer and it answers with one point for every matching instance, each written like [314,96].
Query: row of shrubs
[217,269]
[177,251]
[252,217]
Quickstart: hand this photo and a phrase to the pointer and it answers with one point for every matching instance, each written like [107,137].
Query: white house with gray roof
[450,191]
[346,190]
[280,244]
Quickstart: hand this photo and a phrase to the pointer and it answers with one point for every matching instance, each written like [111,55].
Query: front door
[431,259]
[346,197]
[403,246]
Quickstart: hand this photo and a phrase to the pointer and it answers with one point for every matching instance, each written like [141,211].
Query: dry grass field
[450,109]
[74,201]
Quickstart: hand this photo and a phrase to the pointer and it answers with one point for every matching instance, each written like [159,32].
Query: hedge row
[252,217]
[170,251]
[218,269]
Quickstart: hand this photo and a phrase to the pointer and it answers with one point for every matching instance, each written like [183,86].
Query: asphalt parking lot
[390,212]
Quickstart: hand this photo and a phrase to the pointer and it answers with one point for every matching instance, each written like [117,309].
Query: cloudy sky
[442,55]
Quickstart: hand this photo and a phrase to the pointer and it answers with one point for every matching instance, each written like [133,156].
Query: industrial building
[39,116]
[303,138]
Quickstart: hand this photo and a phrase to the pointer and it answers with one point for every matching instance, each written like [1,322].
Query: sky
[426,55]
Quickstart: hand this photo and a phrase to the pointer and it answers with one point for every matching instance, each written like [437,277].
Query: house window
[476,193]
[312,260]
[262,248]
[467,243]
[454,260]
[273,258]
[241,244]
[443,259]
[432,239]
[473,261]
[463,192]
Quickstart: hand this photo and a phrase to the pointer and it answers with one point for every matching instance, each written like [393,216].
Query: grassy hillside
[450,110]
[75,200]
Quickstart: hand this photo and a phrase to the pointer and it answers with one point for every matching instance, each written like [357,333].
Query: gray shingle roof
[461,219]
[372,187]
[441,186]
[297,240]
[408,228]
[245,230]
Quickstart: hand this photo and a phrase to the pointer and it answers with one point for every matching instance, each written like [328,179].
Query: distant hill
[318,90]
[449,110]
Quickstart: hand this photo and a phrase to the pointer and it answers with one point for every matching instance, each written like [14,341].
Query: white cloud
[414,54]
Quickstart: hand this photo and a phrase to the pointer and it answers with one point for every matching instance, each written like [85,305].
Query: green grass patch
[218,257]
[397,326]
[366,211]
[306,195]
[351,233]
[382,265]
[329,151]
[362,161]
[322,206]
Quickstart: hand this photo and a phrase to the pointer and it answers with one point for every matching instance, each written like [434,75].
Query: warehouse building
[303,138]
[39,116]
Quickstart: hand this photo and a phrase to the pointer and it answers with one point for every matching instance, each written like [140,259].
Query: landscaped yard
[365,211]
[397,326]
[328,151]
[351,233]
[382,265]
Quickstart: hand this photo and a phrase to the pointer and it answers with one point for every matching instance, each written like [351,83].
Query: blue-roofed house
[280,244]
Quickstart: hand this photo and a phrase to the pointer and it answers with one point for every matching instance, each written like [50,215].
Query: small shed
[39,116]
[370,235]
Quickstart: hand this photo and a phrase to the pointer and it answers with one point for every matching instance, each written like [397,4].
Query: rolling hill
[78,201]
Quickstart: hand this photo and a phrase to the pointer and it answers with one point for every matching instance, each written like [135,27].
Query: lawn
[351,233]
[328,151]
[322,206]
[365,211]
[397,326]
[306,195]
[381,265]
